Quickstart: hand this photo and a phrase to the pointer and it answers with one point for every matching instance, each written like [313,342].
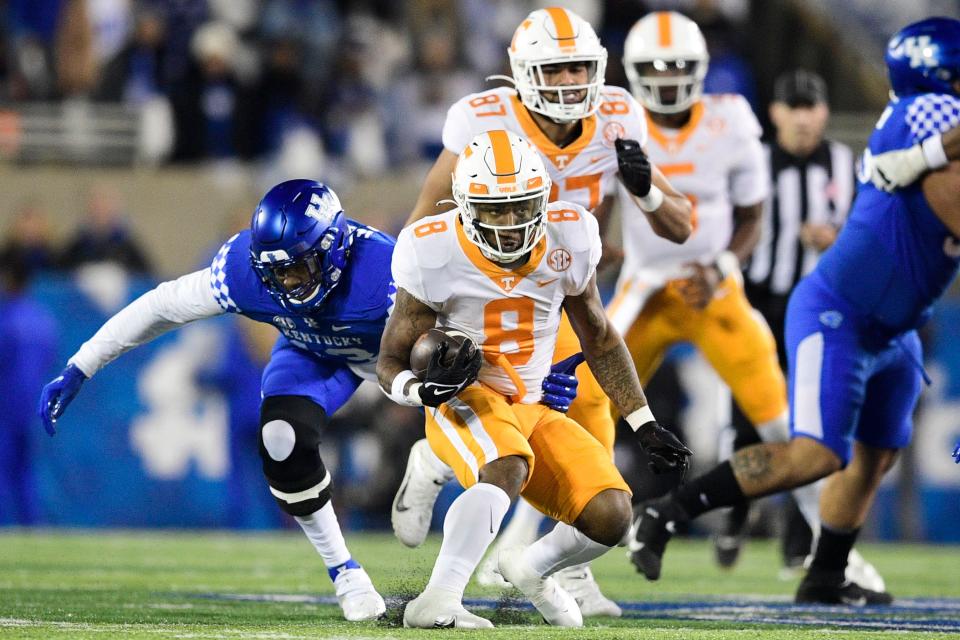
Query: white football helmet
[666,50]
[501,188]
[555,36]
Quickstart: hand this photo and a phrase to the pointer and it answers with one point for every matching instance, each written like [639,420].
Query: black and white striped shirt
[820,189]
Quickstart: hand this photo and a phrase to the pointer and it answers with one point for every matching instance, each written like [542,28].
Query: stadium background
[136,136]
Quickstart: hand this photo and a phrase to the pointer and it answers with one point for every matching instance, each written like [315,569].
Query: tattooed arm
[604,350]
[611,364]
[410,318]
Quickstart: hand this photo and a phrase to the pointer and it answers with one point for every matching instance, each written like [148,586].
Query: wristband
[412,397]
[640,417]
[933,152]
[727,264]
[652,201]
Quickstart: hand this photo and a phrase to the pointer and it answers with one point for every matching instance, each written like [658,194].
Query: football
[425,346]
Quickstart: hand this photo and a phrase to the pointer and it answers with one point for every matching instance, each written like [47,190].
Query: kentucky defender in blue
[855,363]
[324,282]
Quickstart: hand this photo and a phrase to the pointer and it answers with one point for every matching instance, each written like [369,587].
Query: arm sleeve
[750,177]
[166,307]
[456,128]
[585,259]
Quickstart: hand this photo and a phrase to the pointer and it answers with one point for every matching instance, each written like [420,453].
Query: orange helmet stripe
[561,20]
[664,32]
[503,163]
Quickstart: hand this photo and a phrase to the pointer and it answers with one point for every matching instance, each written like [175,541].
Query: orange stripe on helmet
[664,32]
[503,165]
[561,20]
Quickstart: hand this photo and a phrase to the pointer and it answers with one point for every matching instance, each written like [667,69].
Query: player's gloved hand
[895,169]
[57,394]
[956,452]
[560,386]
[665,450]
[440,382]
[635,169]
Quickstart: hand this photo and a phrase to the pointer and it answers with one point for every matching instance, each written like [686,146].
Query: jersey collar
[559,156]
[506,279]
[673,141]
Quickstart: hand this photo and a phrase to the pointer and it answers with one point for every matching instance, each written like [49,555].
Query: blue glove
[57,394]
[956,452]
[560,387]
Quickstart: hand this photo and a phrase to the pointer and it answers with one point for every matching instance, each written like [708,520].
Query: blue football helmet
[924,57]
[300,234]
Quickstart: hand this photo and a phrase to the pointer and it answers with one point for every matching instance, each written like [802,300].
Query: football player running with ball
[324,281]
[590,136]
[499,268]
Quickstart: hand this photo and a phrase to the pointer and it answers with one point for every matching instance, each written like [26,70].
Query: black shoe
[833,588]
[655,524]
[726,550]
[727,544]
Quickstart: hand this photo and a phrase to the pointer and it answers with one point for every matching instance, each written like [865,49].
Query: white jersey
[514,315]
[717,161]
[585,170]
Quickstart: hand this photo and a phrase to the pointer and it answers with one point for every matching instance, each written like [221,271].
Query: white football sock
[523,528]
[323,531]
[563,547]
[471,524]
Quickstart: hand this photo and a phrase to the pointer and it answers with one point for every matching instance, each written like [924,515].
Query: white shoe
[441,609]
[413,504]
[357,597]
[863,573]
[487,574]
[578,581]
[557,607]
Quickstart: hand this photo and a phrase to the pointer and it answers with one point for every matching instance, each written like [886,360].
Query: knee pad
[290,450]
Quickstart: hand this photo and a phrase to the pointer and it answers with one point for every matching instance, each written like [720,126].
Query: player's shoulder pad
[572,226]
[931,113]
[618,105]
[464,104]
[734,109]
[431,240]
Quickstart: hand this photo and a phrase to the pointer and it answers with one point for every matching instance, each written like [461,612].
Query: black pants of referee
[797,537]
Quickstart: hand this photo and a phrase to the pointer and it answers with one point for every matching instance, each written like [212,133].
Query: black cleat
[655,524]
[833,588]
[727,544]
[726,550]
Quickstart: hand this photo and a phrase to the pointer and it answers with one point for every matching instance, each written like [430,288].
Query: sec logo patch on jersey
[559,259]
[611,132]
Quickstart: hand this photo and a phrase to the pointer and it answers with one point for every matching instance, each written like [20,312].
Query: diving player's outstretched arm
[610,362]
[166,307]
[895,169]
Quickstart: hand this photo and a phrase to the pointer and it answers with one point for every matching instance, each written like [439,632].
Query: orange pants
[567,466]
[731,335]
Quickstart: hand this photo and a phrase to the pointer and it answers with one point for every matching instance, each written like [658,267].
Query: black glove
[635,169]
[440,382]
[666,451]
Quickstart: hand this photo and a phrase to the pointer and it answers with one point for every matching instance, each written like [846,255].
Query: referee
[813,187]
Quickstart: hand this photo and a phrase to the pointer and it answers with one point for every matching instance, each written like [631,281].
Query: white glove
[895,169]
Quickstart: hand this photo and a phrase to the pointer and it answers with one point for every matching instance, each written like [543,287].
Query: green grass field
[105,584]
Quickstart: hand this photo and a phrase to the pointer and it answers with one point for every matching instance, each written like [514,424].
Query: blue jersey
[346,328]
[894,257]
